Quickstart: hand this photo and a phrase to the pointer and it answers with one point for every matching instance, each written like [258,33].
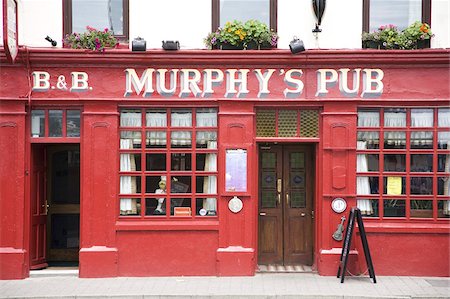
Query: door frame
[312,148]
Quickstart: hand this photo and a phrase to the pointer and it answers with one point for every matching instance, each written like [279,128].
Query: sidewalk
[297,285]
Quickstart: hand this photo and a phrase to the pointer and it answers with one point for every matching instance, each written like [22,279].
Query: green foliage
[91,39]
[240,34]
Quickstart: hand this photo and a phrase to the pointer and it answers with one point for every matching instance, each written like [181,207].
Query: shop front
[223,162]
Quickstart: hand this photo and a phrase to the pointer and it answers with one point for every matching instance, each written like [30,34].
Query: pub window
[55,123]
[168,163]
[244,10]
[400,13]
[99,14]
[403,163]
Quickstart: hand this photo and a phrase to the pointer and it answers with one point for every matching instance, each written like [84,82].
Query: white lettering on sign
[203,83]
[42,82]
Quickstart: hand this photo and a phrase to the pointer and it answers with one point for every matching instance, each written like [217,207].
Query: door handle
[46,206]
[279,199]
[262,214]
[303,214]
[287,199]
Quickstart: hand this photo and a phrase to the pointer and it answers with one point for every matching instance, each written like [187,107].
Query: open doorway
[55,205]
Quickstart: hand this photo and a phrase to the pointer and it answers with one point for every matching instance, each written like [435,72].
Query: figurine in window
[161,190]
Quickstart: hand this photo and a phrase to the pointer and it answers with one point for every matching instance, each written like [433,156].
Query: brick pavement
[292,285]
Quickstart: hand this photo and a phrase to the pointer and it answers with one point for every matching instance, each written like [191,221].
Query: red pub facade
[223,162]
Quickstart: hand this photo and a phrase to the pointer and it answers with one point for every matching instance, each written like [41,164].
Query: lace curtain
[394,120]
[210,182]
[159,120]
[422,118]
[362,182]
[127,183]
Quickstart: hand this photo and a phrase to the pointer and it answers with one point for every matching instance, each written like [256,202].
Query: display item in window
[161,190]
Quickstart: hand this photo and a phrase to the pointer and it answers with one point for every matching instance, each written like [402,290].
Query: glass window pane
[206,206]
[395,117]
[421,185]
[367,185]
[444,209]
[394,185]
[130,162]
[243,10]
[365,162]
[155,184]
[394,139]
[395,162]
[206,162]
[37,123]
[180,184]
[181,162]
[421,140]
[156,139]
[206,139]
[394,208]
[73,123]
[421,209]
[206,184]
[368,118]
[421,163]
[371,139]
[444,140]
[130,207]
[130,118]
[130,139]
[422,118]
[156,118]
[400,12]
[155,206]
[181,139]
[206,117]
[444,163]
[444,117]
[180,207]
[130,184]
[368,207]
[155,162]
[99,14]
[55,123]
[443,185]
[181,118]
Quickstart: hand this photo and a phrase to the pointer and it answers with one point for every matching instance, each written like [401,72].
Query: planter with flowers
[236,35]
[92,39]
[415,36]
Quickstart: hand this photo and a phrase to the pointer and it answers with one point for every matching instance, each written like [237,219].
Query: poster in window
[236,170]
[394,185]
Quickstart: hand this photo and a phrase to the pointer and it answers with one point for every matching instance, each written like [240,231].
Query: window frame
[169,150]
[67,20]
[426,14]
[408,174]
[52,139]
[273,4]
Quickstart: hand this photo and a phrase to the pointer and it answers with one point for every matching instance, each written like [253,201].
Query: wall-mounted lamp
[138,44]
[319,9]
[296,46]
[52,41]
[170,45]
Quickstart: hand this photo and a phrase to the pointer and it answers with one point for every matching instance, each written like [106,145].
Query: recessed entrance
[286,215]
[55,205]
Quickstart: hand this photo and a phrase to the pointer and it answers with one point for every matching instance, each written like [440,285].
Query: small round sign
[235,204]
[202,212]
[339,205]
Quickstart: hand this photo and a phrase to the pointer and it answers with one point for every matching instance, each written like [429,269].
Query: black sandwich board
[355,213]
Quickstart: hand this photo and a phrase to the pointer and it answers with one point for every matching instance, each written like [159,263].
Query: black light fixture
[170,45]
[138,44]
[296,46]
[52,41]
[319,9]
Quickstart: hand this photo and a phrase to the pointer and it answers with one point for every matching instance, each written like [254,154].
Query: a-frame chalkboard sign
[355,213]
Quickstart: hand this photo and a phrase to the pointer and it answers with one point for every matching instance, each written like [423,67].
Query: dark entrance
[55,205]
[286,188]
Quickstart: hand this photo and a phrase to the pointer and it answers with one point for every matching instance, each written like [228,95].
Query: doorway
[286,213]
[55,205]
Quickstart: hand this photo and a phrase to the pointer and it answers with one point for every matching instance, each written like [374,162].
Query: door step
[271,268]
[55,271]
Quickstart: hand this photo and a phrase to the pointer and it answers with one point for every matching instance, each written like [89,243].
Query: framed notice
[236,170]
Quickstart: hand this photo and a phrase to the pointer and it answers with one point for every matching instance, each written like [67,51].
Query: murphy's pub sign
[221,83]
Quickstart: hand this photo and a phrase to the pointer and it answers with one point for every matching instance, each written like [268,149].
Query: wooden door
[286,205]
[38,233]
[63,197]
